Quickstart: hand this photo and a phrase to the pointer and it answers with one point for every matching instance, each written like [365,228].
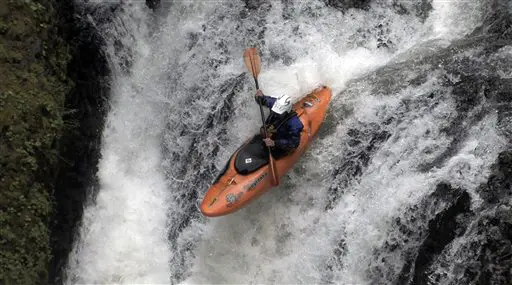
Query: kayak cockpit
[251,156]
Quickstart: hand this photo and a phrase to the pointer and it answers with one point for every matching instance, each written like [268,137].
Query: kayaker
[283,124]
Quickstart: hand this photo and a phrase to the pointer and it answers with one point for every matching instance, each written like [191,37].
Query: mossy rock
[33,68]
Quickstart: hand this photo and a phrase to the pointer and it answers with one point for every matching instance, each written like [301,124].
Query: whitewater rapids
[181,103]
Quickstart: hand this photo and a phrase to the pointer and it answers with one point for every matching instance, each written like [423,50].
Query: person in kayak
[283,125]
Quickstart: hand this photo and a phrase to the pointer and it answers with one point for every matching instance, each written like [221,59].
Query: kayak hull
[233,191]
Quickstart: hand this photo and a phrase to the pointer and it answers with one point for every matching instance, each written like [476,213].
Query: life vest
[273,127]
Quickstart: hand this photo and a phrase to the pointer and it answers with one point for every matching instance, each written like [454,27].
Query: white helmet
[282,104]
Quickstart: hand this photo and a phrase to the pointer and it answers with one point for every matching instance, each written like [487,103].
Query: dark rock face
[497,21]
[153,4]
[442,229]
[498,188]
[254,4]
[363,141]
[33,59]
[435,222]
[344,5]
[80,147]
[420,8]
[494,228]
[485,253]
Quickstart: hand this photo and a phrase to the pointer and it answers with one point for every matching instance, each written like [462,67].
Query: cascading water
[413,129]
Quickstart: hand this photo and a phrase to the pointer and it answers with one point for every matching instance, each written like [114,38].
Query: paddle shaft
[261,112]
[252,62]
[275,178]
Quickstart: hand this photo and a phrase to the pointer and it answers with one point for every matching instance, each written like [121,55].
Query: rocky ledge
[52,96]
[33,89]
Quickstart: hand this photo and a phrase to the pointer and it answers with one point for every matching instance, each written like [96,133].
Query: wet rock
[420,235]
[441,231]
[153,4]
[498,188]
[363,142]
[400,8]
[382,36]
[421,8]
[497,21]
[80,147]
[484,253]
[33,61]
[254,4]
[344,5]
[493,252]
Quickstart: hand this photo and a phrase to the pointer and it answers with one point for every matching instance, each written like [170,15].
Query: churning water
[411,133]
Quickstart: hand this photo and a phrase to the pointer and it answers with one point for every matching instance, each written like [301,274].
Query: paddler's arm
[265,100]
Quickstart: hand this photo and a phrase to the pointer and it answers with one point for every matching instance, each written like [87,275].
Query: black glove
[259,100]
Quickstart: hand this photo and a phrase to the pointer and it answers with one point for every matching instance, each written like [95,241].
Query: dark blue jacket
[287,135]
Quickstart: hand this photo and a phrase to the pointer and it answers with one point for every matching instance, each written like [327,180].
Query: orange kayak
[247,174]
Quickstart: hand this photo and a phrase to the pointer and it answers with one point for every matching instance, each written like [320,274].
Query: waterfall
[411,134]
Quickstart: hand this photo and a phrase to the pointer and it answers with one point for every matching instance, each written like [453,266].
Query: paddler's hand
[259,97]
[269,142]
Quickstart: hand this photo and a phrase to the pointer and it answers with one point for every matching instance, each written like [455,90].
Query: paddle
[252,62]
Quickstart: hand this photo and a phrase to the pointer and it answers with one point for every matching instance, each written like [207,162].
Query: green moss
[33,69]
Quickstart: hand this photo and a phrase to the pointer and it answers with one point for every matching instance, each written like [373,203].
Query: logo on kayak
[251,186]
[308,104]
[315,98]
[232,198]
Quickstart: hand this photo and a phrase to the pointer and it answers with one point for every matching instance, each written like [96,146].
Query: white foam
[454,19]
[123,238]
[286,236]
